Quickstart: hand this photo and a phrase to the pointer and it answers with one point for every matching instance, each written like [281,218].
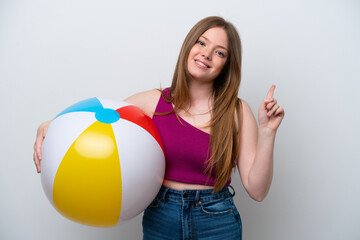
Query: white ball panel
[142,164]
[112,104]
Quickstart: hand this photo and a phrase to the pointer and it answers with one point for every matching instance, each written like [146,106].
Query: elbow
[258,198]
[258,192]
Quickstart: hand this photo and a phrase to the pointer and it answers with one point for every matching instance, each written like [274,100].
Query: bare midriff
[184,186]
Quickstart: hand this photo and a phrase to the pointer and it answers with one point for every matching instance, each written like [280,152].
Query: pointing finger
[271,92]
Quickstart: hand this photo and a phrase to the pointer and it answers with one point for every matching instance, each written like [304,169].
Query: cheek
[188,61]
[190,56]
[221,66]
[196,50]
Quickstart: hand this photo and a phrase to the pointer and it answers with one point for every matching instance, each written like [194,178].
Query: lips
[202,64]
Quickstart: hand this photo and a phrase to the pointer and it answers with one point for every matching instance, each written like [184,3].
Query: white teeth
[200,63]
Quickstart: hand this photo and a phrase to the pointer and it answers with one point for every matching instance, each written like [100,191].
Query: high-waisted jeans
[192,214]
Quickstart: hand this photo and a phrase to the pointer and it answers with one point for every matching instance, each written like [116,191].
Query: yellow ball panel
[87,186]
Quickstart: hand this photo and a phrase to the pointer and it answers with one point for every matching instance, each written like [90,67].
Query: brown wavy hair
[226,117]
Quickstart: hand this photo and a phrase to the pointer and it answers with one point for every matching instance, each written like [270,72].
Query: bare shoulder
[248,118]
[146,100]
[246,109]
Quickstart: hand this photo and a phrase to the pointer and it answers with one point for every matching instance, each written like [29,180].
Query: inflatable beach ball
[103,162]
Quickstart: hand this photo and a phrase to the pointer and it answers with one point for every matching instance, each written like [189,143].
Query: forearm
[261,172]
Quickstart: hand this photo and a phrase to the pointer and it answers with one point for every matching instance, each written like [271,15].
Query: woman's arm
[255,162]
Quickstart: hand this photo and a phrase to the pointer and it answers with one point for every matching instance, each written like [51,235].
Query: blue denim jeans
[192,214]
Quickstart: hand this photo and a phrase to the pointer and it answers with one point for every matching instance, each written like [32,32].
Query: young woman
[207,131]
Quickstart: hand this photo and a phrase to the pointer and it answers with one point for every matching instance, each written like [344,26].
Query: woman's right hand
[41,133]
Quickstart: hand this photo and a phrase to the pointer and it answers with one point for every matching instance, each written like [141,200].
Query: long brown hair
[224,125]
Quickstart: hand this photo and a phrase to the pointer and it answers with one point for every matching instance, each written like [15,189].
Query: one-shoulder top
[186,147]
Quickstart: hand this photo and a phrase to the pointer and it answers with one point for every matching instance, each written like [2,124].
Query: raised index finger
[271,92]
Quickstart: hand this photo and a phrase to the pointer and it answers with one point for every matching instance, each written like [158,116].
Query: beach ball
[103,162]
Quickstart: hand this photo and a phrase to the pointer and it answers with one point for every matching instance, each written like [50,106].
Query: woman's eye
[221,54]
[201,43]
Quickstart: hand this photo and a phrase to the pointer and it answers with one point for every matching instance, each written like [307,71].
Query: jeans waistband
[195,195]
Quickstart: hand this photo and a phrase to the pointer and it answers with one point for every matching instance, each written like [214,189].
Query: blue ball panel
[107,115]
[88,105]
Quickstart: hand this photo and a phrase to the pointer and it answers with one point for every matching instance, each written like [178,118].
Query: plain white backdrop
[55,53]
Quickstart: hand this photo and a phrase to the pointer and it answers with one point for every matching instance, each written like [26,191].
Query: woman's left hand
[270,113]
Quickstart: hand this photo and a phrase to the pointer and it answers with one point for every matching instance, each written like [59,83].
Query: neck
[201,95]
[200,91]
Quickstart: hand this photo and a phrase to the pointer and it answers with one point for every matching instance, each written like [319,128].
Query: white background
[55,53]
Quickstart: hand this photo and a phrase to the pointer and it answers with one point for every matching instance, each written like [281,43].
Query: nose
[206,53]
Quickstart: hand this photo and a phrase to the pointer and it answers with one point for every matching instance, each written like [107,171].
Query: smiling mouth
[202,64]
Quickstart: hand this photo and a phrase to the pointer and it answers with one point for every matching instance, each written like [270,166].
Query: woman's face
[208,56]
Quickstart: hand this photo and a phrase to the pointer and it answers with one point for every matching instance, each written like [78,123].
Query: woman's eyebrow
[216,45]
